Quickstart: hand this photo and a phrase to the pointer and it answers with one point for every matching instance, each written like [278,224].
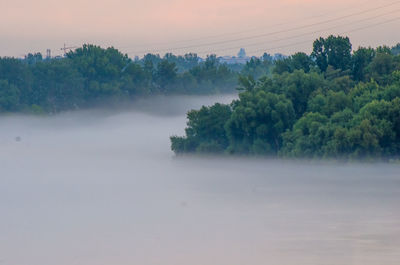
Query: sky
[180,26]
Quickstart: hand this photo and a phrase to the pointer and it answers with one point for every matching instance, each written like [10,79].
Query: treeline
[333,103]
[91,75]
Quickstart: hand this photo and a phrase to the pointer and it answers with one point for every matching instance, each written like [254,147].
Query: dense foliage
[332,103]
[91,74]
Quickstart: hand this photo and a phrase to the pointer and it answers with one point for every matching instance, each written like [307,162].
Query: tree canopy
[333,103]
[90,75]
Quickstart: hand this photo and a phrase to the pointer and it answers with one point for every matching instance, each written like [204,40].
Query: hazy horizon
[221,26]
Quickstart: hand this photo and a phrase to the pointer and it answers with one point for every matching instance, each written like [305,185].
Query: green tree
[298,87]
[309,135]
[381,68]
[257,121]
[360,60]
[298,61]
[9,96]
[166,74]
[205,132]
[334,51]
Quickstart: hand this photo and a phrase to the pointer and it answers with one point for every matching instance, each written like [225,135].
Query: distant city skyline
[220,26]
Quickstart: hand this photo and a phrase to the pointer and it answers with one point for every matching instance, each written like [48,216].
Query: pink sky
[156,25]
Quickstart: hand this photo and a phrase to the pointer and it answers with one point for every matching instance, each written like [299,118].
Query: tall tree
[334,51]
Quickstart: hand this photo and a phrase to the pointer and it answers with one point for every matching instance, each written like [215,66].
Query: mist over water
[102,187]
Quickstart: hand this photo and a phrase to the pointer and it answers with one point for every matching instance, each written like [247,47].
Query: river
[102,187]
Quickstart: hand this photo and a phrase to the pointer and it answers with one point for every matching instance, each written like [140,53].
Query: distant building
[48,54]
[242,58]
[242,53]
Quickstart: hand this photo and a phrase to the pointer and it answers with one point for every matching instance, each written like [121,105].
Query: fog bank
[102,187]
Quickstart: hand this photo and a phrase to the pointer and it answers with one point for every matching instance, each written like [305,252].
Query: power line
[304,34]
[344,32]
[270,33]
[249,30]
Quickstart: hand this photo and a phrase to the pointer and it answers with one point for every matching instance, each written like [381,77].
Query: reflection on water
[97,187]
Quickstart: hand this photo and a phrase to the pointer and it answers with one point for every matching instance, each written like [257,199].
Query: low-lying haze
[102,187]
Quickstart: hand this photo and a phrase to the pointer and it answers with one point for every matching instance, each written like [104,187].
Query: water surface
[102,187]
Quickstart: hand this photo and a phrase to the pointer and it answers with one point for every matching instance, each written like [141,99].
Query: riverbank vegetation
[91,75]
[335,102]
